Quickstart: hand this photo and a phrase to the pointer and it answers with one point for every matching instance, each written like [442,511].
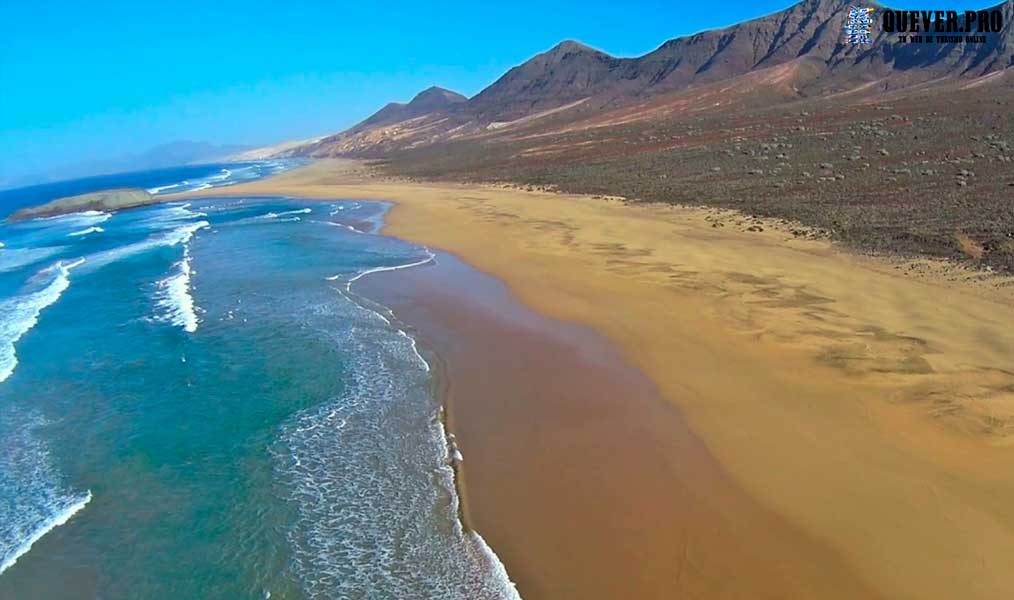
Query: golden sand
[588,485]
[872,410]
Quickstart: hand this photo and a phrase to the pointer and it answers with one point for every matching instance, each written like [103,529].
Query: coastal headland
[840,426]
[106,200]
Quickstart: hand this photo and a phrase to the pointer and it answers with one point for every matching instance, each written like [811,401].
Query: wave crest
[35,499]
[19,314]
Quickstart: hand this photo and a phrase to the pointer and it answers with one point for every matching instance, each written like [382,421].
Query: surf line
[430,258]
[61,518]
[451,452]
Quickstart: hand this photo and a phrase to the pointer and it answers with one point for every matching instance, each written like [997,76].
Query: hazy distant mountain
[181,153]
[164,155]
[793,53]
[263,152]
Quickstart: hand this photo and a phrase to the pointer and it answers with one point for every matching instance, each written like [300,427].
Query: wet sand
[582,479]
[869,408]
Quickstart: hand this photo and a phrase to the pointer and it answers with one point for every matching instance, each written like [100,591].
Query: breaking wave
[239,173]
[286,213]
[172,237]
[19,314]
[86,231]
[35,500]
[85,218]
[371,503]
[174,296]
[14,258]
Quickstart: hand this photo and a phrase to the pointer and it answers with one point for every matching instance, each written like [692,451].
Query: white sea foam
[342,225]
[85,218]
[20,313]
[389,320]
[415,350]
[170,214]
[507,589]
[430,258]
[274,215]
[339,208]
[93,214]
[183,234]
[181,211]
[202,183]
[61,517]
[36,500]
[226,206]
[159,189]
[174,296]
[14,258]
[378,511]
[173,237]
[86,231]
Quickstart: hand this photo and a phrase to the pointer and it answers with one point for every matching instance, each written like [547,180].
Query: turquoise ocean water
[195,403]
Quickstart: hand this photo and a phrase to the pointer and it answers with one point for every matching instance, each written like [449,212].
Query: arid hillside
[890,146]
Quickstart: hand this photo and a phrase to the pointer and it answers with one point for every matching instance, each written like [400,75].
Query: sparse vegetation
[899,177]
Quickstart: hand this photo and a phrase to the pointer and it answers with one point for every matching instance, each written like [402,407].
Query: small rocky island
[106,201]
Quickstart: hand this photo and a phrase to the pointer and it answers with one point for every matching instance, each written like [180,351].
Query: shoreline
[869,411]
[562,541]
[436,366]
[434,362]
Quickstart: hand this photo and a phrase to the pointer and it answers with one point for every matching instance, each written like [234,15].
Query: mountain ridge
[792,53]
[430,99]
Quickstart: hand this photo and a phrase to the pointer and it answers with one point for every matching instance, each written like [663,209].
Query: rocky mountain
[566,73]
[808,33]
[362,136]
[571,71]
[801,49]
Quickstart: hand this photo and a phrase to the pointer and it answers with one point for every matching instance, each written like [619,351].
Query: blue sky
[89,80]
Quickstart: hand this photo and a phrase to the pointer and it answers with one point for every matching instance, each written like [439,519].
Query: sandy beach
[769,416]
[585,482]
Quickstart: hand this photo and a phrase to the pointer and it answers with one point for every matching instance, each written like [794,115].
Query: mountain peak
[436,95]
[569,47]
[573,46]
[566,73]
[432,99]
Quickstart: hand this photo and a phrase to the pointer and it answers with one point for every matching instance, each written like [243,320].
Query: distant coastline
[132,189]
